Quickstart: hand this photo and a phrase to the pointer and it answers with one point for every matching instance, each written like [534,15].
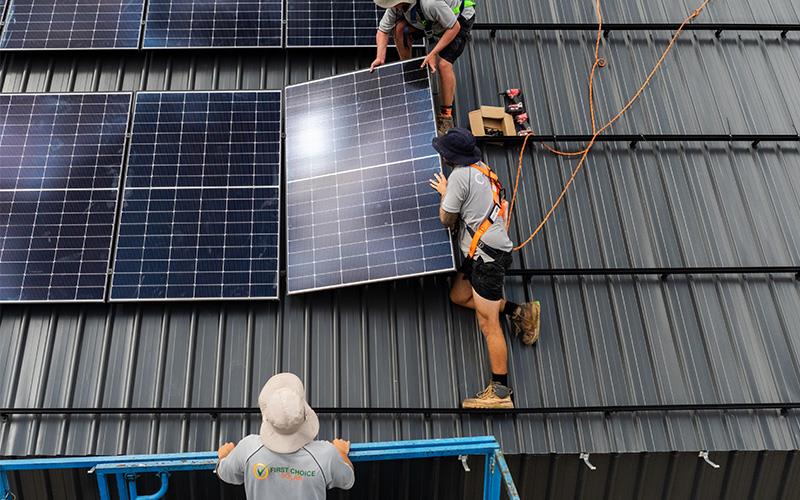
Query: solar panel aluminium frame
[115,225]
[115,241]
[4,25]
[420,44]
[391,278]
[282,45]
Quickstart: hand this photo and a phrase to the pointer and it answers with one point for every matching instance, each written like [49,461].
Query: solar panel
[209,23]
[60,163]
[201,206]
[72,24]
[329,23]
[358,161]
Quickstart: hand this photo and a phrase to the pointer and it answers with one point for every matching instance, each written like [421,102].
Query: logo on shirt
[260,471]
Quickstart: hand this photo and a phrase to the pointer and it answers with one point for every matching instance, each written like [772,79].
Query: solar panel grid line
[56,236]
[203,203]
[161,23]
[381,221]
[65,30]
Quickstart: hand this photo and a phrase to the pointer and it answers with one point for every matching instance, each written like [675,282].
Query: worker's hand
[225,450]
[377,62]
[341,445]
[430,62]
[439,183]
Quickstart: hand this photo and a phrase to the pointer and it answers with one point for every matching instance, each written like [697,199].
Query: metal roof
[606,340]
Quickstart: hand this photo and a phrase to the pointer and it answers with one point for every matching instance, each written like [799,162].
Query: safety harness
[498,209]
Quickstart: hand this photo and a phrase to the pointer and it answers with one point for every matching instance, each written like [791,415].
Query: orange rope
[598,62]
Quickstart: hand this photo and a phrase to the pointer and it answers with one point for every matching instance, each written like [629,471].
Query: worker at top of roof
[473,194]
[284,461]
[447,21]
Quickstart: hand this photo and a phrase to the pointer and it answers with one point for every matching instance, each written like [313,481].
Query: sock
[446,110]
[509,308]
[500,379]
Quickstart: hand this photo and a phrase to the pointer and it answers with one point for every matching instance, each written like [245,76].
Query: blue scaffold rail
[124,470]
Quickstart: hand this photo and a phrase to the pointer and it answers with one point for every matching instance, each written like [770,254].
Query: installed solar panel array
[72,24]
[358,161]
[116,24]
[221,23]
[201,204]
[60,163]
[331,23]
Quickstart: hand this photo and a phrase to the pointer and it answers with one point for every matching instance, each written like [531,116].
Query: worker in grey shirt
[284,462]
[447,22]
[473,195]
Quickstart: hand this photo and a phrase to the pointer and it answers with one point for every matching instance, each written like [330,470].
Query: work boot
[527,320]
[496,395]
[443,124]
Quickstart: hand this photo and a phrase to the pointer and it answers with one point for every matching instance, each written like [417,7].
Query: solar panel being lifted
[358,161]
[220,23]
[72,24]
[331,23]
[60,163]
[201,205]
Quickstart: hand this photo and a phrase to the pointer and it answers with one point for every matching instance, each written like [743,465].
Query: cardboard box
[492,118]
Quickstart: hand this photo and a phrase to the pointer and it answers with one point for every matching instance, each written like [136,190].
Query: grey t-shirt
[469,193]
[303,475]
[439,14]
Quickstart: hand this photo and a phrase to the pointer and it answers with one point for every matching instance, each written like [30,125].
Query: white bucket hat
[287,422]
[389,4]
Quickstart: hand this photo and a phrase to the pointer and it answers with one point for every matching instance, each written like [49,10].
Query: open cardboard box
[493,118]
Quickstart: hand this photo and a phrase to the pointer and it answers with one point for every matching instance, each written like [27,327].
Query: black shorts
[454,50]
[487,278]
[459,43]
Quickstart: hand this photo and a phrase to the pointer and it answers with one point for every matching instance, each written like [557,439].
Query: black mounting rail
[5,413]
[663,272]
[634,139]
[717,28]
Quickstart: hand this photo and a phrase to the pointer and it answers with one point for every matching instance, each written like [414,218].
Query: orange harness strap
[497,209]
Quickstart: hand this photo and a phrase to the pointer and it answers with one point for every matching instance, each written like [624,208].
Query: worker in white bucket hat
[284,461]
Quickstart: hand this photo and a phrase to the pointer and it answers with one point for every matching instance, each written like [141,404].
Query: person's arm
[342,474]
[447,37]
[385,27]
[382,41]
[230,467]
[448,213]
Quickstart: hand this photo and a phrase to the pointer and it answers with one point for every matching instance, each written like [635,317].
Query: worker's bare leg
[461,293]
[447,81]
[488,313]
[399,40]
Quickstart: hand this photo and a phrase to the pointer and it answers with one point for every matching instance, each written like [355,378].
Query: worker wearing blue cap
[448,22]
[473,195]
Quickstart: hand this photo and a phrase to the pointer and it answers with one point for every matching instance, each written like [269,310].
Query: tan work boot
[496,395]
[527,320]
[443,124]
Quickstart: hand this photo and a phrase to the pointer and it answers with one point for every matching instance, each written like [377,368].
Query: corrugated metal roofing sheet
[606,341]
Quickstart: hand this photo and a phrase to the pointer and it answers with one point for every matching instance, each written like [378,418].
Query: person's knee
[458,297]
[399,34]
[445,65]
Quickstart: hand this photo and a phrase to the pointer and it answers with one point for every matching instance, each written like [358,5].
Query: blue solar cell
[72,24]
[201,206]
[359,157]
[220,23]
[329,23]
[60,163]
